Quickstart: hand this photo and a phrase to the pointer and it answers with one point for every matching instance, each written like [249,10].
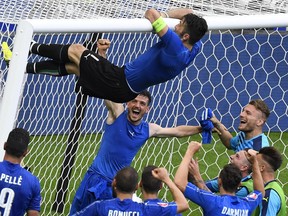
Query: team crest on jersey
[253,196]
[162,204]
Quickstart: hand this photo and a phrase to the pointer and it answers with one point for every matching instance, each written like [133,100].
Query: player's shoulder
[254,195]
[33,179]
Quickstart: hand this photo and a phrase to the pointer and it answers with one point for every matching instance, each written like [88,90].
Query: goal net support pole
[73,138]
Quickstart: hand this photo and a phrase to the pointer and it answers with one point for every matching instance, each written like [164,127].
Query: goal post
[27,28]
[224,76]
[22,41]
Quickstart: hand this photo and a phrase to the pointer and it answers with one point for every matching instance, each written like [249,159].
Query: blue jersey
[214,205]
[242,191]
[126,207]
[163,61]
[239,143]
[120,143]
[19,190]
[171,207]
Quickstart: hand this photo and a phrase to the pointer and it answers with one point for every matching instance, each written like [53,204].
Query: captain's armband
[159,24]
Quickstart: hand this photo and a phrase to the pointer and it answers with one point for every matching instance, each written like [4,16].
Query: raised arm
[103,45]
[224,135]
[159,25]
[196,177]
[258,183]
[162,174]
[181,176]
[179,131]
[114,110]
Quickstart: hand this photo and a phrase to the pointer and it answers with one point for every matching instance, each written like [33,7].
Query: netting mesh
[232,68]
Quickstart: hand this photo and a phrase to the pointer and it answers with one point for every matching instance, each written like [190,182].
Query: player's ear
[244,168]
[260,122]
[140,184]
[136,188]
[25,153]
[185,37]
[147,109]
[114,183]
[4,147]
[219,182]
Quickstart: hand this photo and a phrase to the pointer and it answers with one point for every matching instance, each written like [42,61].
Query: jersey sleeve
[199,196]
[92,209]
[162,208]
[242,192]
[254,199]
[271,203]
[36,196]
[233,143]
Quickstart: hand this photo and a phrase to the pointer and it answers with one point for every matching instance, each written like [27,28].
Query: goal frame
[26,28]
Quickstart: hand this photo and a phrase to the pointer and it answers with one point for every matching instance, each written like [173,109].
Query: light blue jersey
[214,205]
[163,61]
[274,202]
[19,190]
[239,143]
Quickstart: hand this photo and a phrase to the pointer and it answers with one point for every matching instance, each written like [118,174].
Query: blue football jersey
[163,61]
[170,209]
[19,190]
[127,207]
[214,205]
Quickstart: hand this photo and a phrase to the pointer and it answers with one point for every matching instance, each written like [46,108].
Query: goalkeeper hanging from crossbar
[100,78]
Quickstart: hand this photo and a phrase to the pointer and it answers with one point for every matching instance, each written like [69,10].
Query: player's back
[113,207]
[169,208]
[19,190]
[233,205]
[127,207]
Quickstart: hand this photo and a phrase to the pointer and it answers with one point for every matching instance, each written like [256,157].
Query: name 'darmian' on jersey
[234,212]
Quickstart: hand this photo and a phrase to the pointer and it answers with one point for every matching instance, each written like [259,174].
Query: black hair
[126,180]
[231,177]
[272,156]
[17,142]
[195,26]
[149,183]
[147,94]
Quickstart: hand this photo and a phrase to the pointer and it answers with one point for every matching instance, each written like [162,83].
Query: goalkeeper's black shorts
[100,78]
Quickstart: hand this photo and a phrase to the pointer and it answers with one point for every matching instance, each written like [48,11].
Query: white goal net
[233,67]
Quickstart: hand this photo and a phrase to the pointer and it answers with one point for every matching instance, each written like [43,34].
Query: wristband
[158,24]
